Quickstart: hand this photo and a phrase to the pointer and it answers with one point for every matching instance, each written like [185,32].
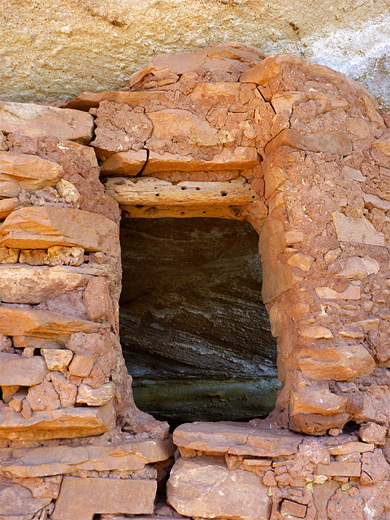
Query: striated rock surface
[99,44]
[52,460]
[43,227]
[35,284]
[192,320]
[60,423]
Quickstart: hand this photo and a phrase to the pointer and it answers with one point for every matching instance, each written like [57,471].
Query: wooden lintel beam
[149,191]
[180,211]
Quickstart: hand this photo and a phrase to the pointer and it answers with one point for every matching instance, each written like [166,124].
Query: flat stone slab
[57,424]
[236,439]
[40,120]
[29,172]
[203,487]
[16,370]
[17,502]
[56,460]
[41,227]
[238,158]
[81,498]
[28,284]
[42,324]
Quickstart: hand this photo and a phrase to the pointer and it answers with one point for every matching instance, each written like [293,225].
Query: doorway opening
[194,330]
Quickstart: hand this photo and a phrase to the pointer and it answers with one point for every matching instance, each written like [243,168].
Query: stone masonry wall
[299,151]
[62,373]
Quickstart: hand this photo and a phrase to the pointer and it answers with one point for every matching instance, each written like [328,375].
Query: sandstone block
[172,125]
[373,433]
[291,508]
[43,397]
[351,293]
[372,201]
[8,256]
[66,390]
[124,163]
[69,193]
[17,400]
[18,503]
[95,396]
[352,173]
[342,363]
[7,206]
[87,100]
[62,423]
[351,447]
[236,439]
[42,324]
[357,230]
[40,120]
[46,226]
[359,268]
[21,371]
[317,401]
[81,365]
[9,189]
[316,332]
[48,460]
[317,424]
[21,284]
[337,142]
[57,359]
[28,172]
[380,151]
[294,236]
[236,158]
[97,299]
[93,344]
[9,392]
[55,255]
[83,498]
[204,487]
[301,261]
[339,469]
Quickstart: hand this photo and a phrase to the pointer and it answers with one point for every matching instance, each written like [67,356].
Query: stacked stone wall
[299,151]
[66,395]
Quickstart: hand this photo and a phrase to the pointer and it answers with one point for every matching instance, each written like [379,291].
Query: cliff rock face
[53,50]
[194,330]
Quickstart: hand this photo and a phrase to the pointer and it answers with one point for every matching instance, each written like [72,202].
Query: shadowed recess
[194,330]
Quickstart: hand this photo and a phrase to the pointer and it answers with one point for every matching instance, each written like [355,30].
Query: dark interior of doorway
[194,330]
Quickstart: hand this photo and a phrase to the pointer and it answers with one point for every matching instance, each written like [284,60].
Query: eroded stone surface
[28,172]
[339,363]
[43,227]
[39,120]
[324,244]
[204,487]
[82,498]
[17,502]
[124,456]
[21,371]
[235,438]
[59,423]
[35,285]
[41,324]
